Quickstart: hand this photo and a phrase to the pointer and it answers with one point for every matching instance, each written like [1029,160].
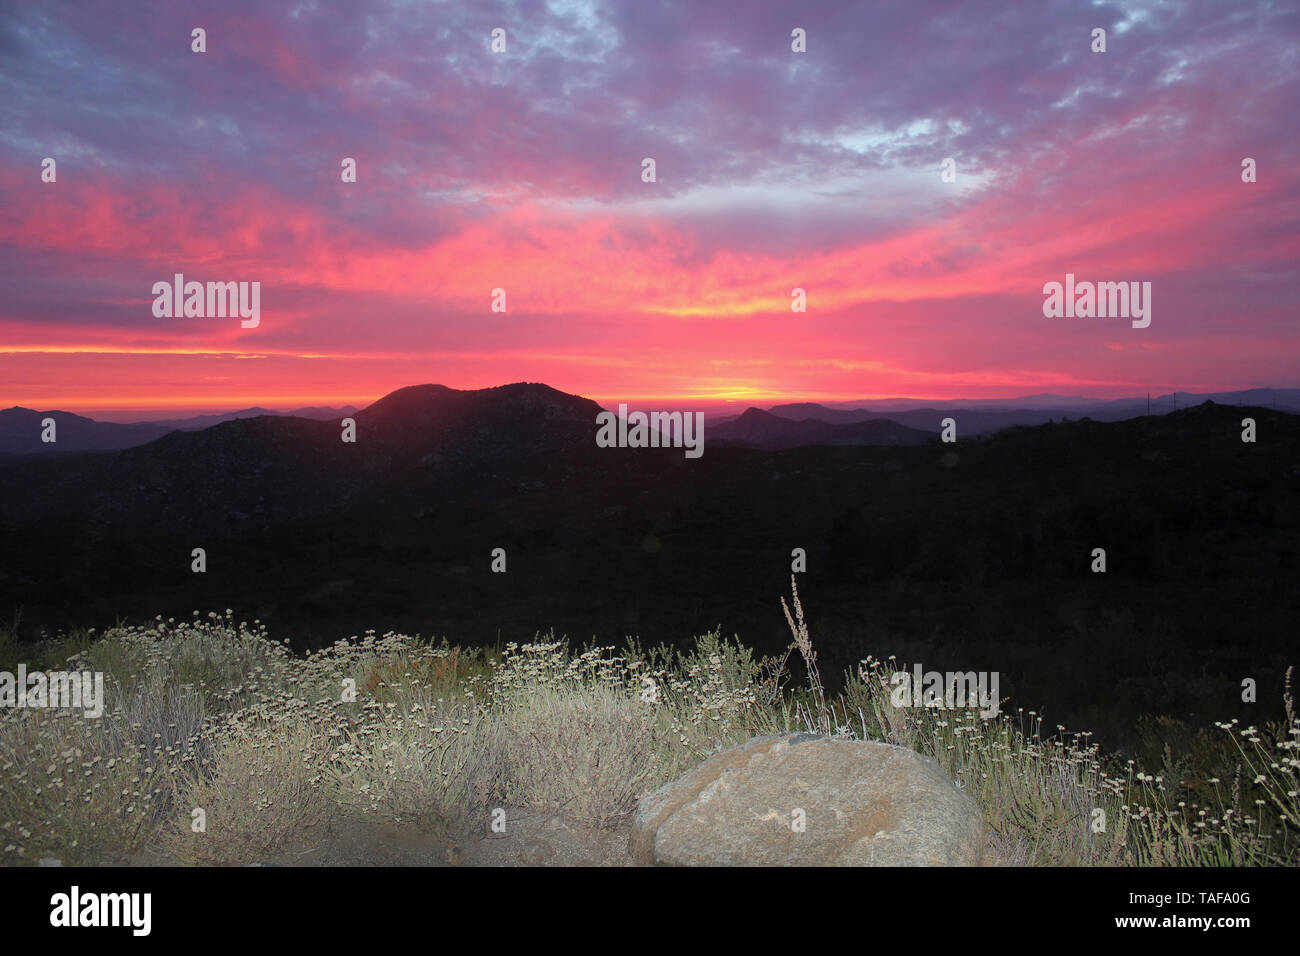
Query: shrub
[260,790]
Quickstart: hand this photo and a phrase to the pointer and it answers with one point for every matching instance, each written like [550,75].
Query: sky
[522,169]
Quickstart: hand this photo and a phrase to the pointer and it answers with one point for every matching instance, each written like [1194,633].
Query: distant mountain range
[21,428]
[975,417]
[320,413]
[1287,398]
[769,430]
[426,441]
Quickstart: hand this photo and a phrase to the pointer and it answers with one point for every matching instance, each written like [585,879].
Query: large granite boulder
[861,803]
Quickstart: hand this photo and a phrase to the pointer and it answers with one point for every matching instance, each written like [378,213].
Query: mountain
[323,413]
[799,411]
[981,421]
[253,472]
[1043,400]
[976,417]
[1283,398]
[198,422]
[971,422]
[21,430]
[767,430]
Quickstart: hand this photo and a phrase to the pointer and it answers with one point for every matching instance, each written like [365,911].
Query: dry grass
[585,753]
[260,789]
[1055,799]
[215,715]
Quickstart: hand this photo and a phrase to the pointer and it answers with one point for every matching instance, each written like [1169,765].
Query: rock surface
[864,804]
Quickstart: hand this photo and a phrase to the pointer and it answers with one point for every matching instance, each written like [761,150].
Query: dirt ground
[529,839]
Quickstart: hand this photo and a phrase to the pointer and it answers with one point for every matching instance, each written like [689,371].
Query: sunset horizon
[179,406]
